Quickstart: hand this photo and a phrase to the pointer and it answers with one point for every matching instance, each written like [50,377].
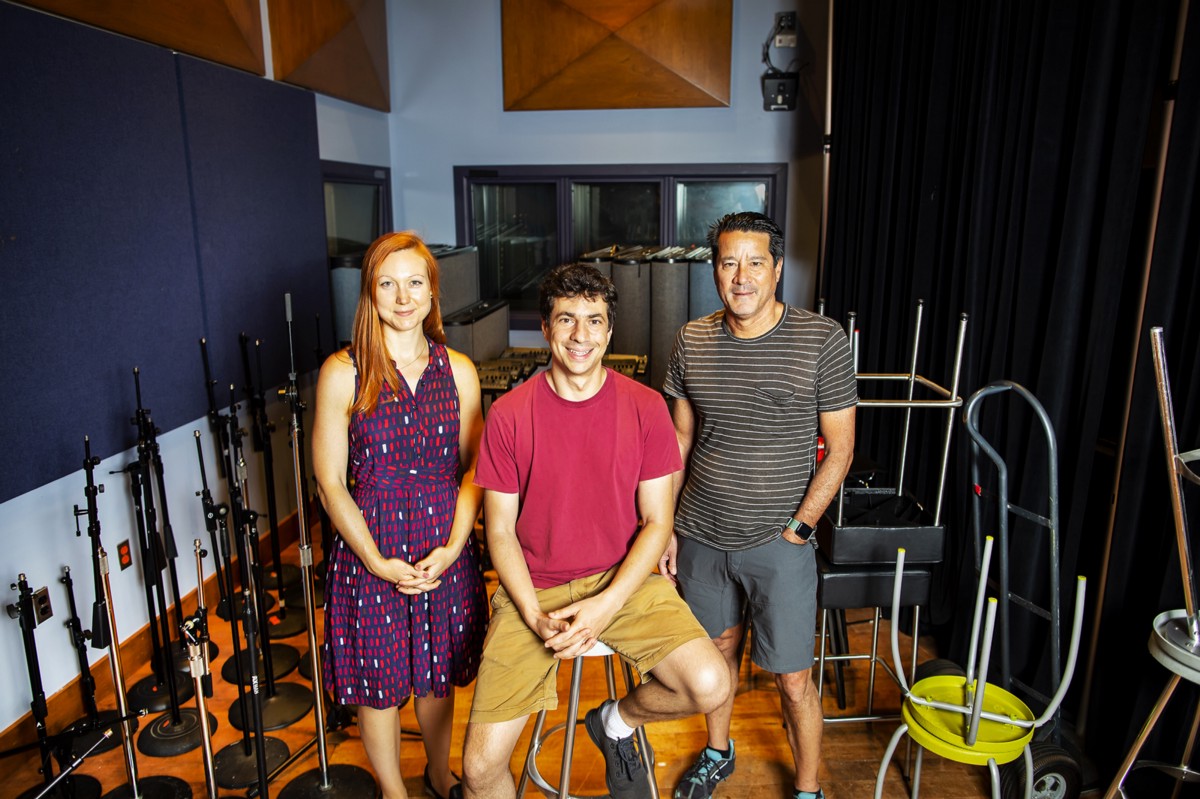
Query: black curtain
[997,160]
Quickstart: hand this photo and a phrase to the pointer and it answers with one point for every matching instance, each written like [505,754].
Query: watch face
[805,531]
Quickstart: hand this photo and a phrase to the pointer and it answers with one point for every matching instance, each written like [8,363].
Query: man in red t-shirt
[577,464]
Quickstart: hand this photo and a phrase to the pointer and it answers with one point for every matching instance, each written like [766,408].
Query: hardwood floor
[851,752]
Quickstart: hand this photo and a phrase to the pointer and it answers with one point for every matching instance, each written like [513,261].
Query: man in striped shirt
[753,385]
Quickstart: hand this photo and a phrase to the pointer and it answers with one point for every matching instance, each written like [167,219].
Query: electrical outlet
[779,91]
[785,29]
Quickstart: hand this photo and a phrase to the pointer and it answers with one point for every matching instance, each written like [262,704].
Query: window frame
[565,176]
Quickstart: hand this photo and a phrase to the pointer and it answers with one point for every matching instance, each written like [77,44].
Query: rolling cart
[1056,772]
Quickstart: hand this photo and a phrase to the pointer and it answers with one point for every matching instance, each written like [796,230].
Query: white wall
[447,111]
[352,133]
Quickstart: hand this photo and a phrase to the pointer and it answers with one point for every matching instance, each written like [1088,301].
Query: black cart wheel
[938,667]
[1056,775]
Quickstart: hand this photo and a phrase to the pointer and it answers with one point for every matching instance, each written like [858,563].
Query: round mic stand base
[234,768]
[287,576]
[345,782]
[164,738]
[284,660]
[84,734]
[81,787]
[223,612]
[306,668]
[156,787]
[287,626]
[153,697]
[294,597]
[290,703]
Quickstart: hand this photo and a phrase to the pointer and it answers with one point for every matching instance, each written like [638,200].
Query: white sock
[614,725]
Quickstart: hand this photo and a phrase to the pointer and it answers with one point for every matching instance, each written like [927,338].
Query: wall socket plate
[785,29]
[779,90]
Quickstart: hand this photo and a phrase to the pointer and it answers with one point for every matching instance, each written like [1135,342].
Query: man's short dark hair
[576,280]
[747,222]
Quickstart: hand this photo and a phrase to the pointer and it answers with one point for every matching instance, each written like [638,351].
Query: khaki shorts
[517,675]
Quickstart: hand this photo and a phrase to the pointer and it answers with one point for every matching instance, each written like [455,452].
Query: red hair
[375,367]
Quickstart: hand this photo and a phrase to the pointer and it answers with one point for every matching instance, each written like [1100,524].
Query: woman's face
[403,297]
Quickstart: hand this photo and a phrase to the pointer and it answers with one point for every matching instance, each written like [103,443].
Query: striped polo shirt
[756,403]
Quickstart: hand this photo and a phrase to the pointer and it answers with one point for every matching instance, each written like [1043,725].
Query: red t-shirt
[576,467]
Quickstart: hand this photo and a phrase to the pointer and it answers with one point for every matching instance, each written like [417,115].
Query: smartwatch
[802,530]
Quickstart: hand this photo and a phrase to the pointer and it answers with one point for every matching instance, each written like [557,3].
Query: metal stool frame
[532,774]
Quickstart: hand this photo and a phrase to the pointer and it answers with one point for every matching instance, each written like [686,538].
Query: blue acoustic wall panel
[97,257]
[148,199]
[260,219]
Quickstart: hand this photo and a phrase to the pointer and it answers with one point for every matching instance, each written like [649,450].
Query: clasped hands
[572,630]
[420,577]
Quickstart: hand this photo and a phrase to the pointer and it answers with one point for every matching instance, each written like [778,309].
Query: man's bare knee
[796,686]
[486,755]
[704,676]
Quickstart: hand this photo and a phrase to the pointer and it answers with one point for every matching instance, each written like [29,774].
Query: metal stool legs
[531,774]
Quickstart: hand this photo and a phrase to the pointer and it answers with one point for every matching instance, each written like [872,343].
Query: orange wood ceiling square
[581,54]
[336,47]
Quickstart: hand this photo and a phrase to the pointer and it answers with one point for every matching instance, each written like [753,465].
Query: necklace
[424,351]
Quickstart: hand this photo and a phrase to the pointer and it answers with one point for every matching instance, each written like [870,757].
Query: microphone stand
[246,539]
[295,594]
[156,787]
[156,692]
[30,616]
[237,766]
[322,516]
[93,732]
[325,781]
[195,636]
[261,428]
[214,415]
[50,790]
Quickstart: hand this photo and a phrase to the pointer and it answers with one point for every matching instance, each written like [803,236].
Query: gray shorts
[776,582]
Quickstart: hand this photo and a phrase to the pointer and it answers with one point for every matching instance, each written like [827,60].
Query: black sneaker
[624,773]
[699,781]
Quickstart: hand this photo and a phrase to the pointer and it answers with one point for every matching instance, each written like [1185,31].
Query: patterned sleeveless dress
[382,646]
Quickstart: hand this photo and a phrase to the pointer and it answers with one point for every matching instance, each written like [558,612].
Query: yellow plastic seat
[943,732]
[963,718]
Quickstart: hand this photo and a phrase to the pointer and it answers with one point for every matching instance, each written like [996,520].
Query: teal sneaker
[699,781]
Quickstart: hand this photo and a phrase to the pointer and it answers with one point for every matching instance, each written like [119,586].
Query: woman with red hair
[405,607]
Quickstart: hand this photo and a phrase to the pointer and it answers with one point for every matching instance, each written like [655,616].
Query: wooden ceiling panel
[336,47]
[562,34]
[577,54]
[226,31]
[612,14]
